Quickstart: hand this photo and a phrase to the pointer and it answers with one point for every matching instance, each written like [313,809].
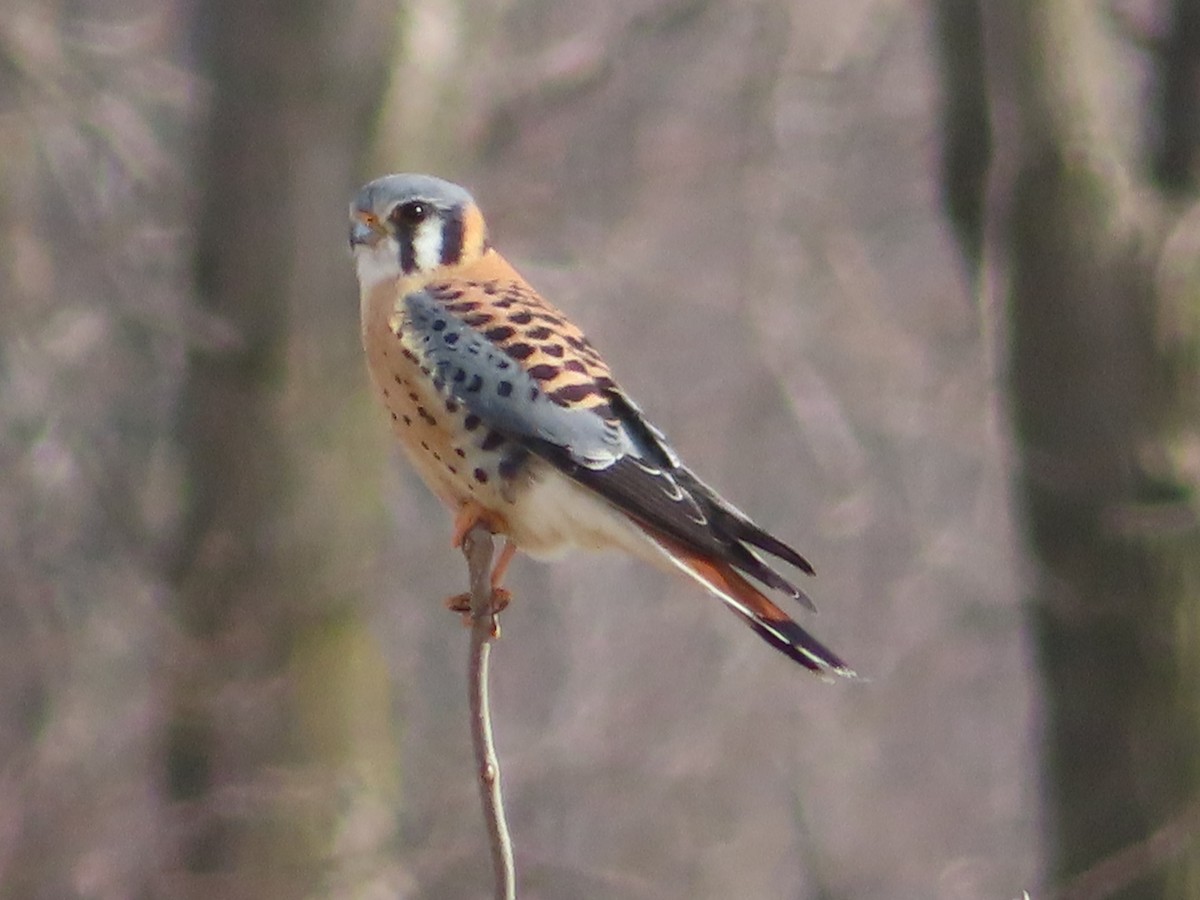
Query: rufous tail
[767,620]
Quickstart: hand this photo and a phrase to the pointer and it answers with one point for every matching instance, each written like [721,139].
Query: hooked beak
[365,230]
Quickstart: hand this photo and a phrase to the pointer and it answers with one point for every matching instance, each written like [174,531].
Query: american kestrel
[513,419]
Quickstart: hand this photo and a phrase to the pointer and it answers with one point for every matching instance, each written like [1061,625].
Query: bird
[514,420]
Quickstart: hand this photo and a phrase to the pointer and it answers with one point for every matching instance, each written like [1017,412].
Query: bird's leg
[469,515]
[500,569]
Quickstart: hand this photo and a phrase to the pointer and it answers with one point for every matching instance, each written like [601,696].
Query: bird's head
[402,225]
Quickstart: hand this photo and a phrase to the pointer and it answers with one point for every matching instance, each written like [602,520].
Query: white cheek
[427,245]
[376,264]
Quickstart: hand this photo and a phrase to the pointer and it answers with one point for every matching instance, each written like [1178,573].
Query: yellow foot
[461,603]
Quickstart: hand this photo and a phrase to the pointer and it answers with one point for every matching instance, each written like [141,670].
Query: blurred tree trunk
[282,742]
[1096,308]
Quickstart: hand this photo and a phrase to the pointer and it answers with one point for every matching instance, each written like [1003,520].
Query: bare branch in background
[1131,863]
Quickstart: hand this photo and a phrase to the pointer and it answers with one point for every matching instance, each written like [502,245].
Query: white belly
[552,514]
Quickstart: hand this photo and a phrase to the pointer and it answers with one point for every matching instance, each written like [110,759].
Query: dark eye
[412,213]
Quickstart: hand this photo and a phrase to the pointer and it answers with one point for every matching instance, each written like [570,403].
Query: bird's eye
[412,213]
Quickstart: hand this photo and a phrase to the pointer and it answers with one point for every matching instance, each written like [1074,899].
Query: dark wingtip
[750,563]
[798,645]
[771,544]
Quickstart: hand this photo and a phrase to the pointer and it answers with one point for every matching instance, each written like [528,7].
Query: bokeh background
[916,283]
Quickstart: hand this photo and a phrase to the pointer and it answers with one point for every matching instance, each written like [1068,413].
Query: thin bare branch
[477,548]
[1123,868]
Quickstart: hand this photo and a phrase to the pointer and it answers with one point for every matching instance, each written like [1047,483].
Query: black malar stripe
[452,236]
[408,257]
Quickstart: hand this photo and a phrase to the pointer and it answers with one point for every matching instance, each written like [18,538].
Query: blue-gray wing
[615,452]
[487,381]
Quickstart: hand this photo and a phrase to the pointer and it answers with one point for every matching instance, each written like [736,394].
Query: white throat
[376,264]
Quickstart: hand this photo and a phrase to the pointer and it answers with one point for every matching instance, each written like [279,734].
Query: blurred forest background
[914,283]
